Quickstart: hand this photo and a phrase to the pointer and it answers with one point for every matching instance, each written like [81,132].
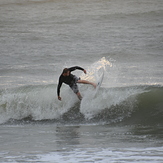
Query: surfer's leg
[86,82]
[75,89]
[79,95]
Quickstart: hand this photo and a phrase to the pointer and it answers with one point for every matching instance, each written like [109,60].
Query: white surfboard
[99,82]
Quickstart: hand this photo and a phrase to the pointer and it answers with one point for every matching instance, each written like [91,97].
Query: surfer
[72,80]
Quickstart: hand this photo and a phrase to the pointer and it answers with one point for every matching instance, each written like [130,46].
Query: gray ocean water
[123,122]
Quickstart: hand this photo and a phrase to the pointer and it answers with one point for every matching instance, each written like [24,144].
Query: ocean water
[123,122]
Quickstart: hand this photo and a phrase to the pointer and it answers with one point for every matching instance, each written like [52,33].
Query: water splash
[95,69]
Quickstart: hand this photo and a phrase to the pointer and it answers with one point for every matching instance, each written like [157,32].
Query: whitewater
[123,122]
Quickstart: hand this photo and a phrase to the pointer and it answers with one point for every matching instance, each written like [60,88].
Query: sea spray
[94,69]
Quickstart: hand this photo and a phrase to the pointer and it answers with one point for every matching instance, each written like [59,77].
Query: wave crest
[139,104]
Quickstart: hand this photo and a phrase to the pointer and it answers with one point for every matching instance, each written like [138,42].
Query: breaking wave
[134,104]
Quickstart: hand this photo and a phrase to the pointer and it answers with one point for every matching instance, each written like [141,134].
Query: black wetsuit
[69,80]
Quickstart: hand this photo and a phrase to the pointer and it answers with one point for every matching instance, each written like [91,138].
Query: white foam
[105,155]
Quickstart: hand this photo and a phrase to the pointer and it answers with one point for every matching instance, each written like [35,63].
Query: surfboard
[99,82]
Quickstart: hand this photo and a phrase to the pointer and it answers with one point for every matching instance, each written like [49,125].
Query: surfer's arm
[58,89]
[77,68]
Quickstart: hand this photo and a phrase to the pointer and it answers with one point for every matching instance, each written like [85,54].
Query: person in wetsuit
[72,80]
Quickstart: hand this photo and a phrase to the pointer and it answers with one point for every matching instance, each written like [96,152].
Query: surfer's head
[66,72]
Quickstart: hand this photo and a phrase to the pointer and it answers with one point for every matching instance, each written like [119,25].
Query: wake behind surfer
[72,80]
